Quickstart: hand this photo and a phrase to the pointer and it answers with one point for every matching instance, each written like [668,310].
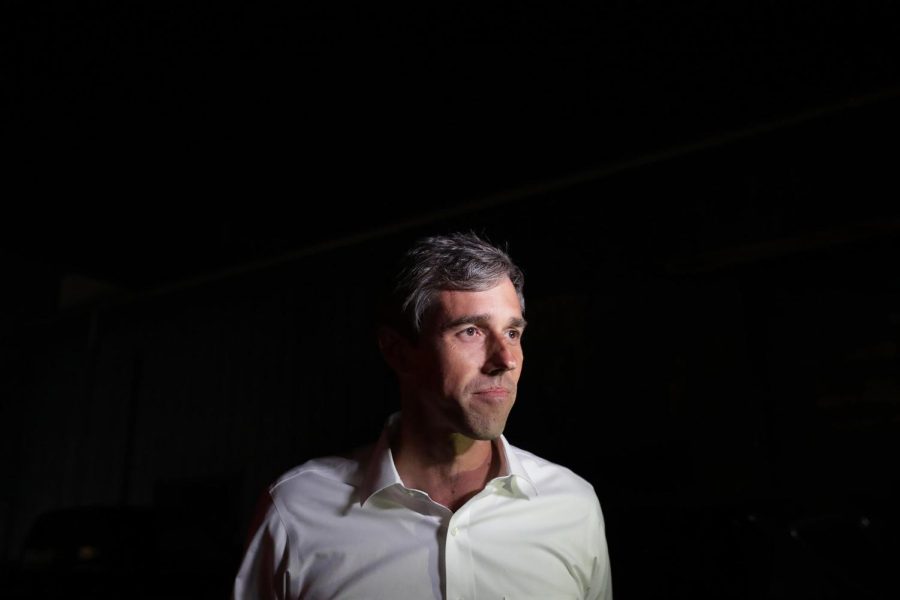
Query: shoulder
[324,471]
[551,477]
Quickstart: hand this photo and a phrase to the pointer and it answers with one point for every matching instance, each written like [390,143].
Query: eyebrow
[481,320]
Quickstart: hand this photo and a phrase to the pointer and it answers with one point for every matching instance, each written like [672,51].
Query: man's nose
[500,356]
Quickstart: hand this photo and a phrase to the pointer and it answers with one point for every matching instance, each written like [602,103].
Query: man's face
[468,361]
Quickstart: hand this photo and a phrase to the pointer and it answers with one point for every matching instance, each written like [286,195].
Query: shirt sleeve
[601,577]
[263,574]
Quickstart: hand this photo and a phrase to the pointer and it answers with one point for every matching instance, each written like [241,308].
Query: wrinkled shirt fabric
[347,528]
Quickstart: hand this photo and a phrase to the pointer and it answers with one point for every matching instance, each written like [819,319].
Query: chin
[486,431]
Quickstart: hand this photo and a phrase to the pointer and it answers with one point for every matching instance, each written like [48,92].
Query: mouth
[493,393]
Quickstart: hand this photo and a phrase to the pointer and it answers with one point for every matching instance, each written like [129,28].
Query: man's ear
[395,349]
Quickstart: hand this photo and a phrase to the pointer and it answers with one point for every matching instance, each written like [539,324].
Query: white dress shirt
[347,528]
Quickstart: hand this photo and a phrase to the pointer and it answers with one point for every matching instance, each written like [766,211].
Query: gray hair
[456,261]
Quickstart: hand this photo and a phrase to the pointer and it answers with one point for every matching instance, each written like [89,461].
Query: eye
[470,331]
[514,334]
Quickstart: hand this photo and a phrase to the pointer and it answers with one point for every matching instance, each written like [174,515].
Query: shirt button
[454,531]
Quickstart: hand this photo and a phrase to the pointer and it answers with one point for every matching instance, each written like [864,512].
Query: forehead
[500,302]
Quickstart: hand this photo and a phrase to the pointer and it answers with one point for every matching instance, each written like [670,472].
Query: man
[442,506]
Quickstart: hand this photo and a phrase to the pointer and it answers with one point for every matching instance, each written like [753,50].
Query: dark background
[199,198]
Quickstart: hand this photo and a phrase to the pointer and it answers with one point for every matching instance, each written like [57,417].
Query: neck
[450,469]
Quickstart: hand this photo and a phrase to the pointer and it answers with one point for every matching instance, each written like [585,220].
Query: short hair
[455,261]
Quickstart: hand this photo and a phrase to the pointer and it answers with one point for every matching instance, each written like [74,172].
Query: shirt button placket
[460,576]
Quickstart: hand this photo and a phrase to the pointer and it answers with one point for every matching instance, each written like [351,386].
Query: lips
[493,392]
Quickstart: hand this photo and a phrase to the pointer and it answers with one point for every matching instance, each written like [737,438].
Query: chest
[493,547]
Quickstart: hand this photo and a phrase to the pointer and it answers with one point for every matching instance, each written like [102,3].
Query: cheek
[457,354]
[520,360]
[459,364]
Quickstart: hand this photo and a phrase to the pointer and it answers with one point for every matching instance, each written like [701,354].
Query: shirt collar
[380,472]
[514,472]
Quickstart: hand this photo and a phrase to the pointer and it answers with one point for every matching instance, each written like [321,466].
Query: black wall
[704,200]
[712,343]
